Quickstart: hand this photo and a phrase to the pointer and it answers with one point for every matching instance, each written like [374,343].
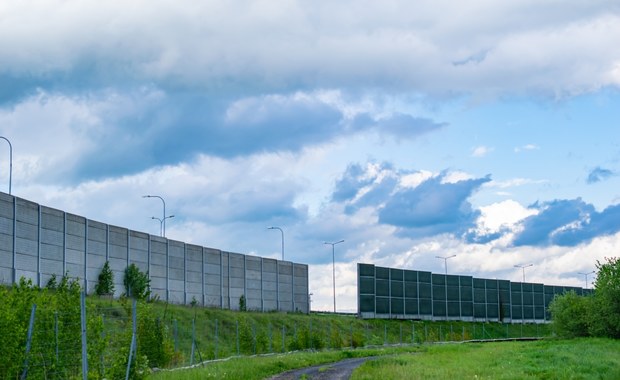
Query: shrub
[570,313]
[105,282]
[137,284]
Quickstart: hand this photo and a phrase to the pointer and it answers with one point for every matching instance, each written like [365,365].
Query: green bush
[105,281]
[570,314]
[137,284]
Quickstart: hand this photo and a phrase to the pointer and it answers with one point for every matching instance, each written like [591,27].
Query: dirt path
[341,370]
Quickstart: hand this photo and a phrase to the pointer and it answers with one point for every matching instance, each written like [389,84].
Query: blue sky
[491,132]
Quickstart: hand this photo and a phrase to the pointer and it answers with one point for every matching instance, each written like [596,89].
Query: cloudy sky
[489,131]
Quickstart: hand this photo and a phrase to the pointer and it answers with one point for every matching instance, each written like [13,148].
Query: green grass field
[547,359]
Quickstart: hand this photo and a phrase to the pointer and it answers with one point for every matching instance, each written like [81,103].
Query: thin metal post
[29,341]
[237,322]
[216,338]
[84,342]
[56,333]
[191,358]
[132,348]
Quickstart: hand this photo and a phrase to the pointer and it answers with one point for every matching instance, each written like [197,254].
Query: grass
[261,367]
[548,359]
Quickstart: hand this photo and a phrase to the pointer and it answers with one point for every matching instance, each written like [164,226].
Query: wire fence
[124,340]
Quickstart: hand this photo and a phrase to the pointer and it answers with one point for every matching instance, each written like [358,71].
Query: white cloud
[526,147]
[481,151]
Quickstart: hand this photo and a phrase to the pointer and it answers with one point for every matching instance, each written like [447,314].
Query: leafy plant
[242,303]
[105,281]
[137,284]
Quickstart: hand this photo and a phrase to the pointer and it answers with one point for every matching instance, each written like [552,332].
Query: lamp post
[334,268]
[310,302]
[523,268]
[587,274]
[281,232]
[161,223]
[163,219]
[10,161]
[445,262]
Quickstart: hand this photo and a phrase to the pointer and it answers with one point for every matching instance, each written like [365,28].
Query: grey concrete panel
[52,237]
[213,290]
[269,265]
[212,269]
[176,285]
[118,237]
[270,305]
[237,272]
[96,261]
[176,274]
[158,246]
[74,257]
[6,208]
[52,219]
[158,270]
[176,296]
[6,226]
[193,287]
[236,260]
[51,267]
[6,242]
[176,249]
[193,266]
[212,301]
[75,225]
[300,289]
[285,268]
[139,241]
[157,259]
[268,285]
[158,294]
[117,264]
[26,231]
[26,274]
[253,263]
[284,279]
[253,284]
[212,256]
[142,266]
[27,212]
[138,256]
[75,242]
[176,262]
[253,293]
[158,282]
[118,252]
[194,276]
[194,296]
[96,248]
[6,259]
[75,270]
[93,276]
[52,252]
[254,304]
[237,283]
[97,231]
[286,306]
[252,275]
[301,270]
[26,247]
[6,275]
[194,253]
[269,295]
[234,294]
[212,279]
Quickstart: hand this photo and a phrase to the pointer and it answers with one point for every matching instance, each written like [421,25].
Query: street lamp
[523,268]
[587,274]
[163,219]
[10,161]
[310,302]
[282,232]
[445,262]
[161,222]
[334,268]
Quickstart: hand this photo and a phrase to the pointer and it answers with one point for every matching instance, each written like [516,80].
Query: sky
[411,130]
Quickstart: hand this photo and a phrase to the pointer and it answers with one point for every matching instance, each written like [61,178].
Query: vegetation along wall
[408,294]
[37,242]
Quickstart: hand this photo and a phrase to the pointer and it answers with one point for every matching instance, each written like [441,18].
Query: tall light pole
[163,217]
[334,268]
[523,266]
[445,263]
[10,161]
[282,232]
[587,274]
[161,223]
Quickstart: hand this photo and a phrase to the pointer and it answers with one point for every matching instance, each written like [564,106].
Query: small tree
[137,284]
[105,283]
[242,303]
